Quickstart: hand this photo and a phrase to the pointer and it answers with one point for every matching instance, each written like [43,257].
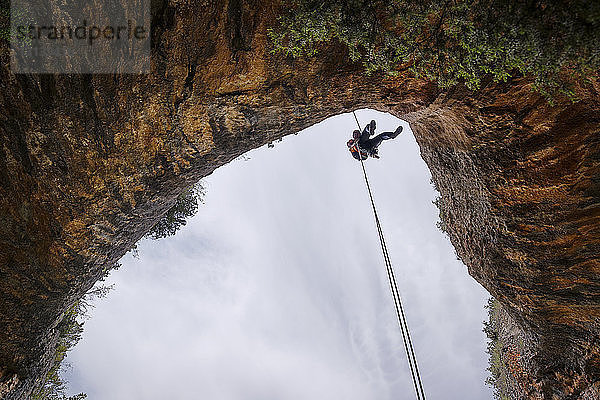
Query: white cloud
[277,290]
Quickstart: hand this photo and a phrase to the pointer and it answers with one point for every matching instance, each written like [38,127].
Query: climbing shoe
[398,131]
[372,126]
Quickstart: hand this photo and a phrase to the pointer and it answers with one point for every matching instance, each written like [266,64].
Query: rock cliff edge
[89,163]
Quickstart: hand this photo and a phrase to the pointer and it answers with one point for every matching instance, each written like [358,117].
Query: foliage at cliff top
[453,41]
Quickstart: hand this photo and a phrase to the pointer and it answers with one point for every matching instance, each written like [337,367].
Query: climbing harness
[408,347]
[356,153]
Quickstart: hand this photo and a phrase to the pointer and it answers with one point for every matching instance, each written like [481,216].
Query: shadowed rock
[89,163]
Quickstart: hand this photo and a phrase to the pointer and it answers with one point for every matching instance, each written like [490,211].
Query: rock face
[519,187]
[89,163]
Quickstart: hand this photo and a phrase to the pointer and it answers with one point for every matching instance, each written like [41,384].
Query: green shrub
[498,378]
[19,15]
[185,207]
[4,22]
[453,41]
[440,223]
[69,330]
[54,387]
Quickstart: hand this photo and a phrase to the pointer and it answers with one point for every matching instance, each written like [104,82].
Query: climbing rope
[408,347]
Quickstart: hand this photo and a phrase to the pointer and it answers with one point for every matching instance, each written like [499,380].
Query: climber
[368,146]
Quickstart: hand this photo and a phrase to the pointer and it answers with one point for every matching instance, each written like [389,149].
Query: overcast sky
[277,290]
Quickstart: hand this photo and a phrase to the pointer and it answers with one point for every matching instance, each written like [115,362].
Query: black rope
[357,123]
[408,347]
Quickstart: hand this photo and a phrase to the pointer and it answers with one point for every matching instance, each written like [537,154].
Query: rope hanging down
[408,347]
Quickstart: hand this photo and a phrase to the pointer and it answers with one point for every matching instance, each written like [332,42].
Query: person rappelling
[362,145]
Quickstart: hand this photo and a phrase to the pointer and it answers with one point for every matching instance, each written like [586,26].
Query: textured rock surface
[89,163]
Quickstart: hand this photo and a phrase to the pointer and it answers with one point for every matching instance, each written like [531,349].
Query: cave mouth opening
[276,287]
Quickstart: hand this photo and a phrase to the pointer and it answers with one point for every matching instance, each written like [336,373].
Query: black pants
[370,144]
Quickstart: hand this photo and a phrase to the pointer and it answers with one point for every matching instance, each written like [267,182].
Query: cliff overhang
[89,163]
